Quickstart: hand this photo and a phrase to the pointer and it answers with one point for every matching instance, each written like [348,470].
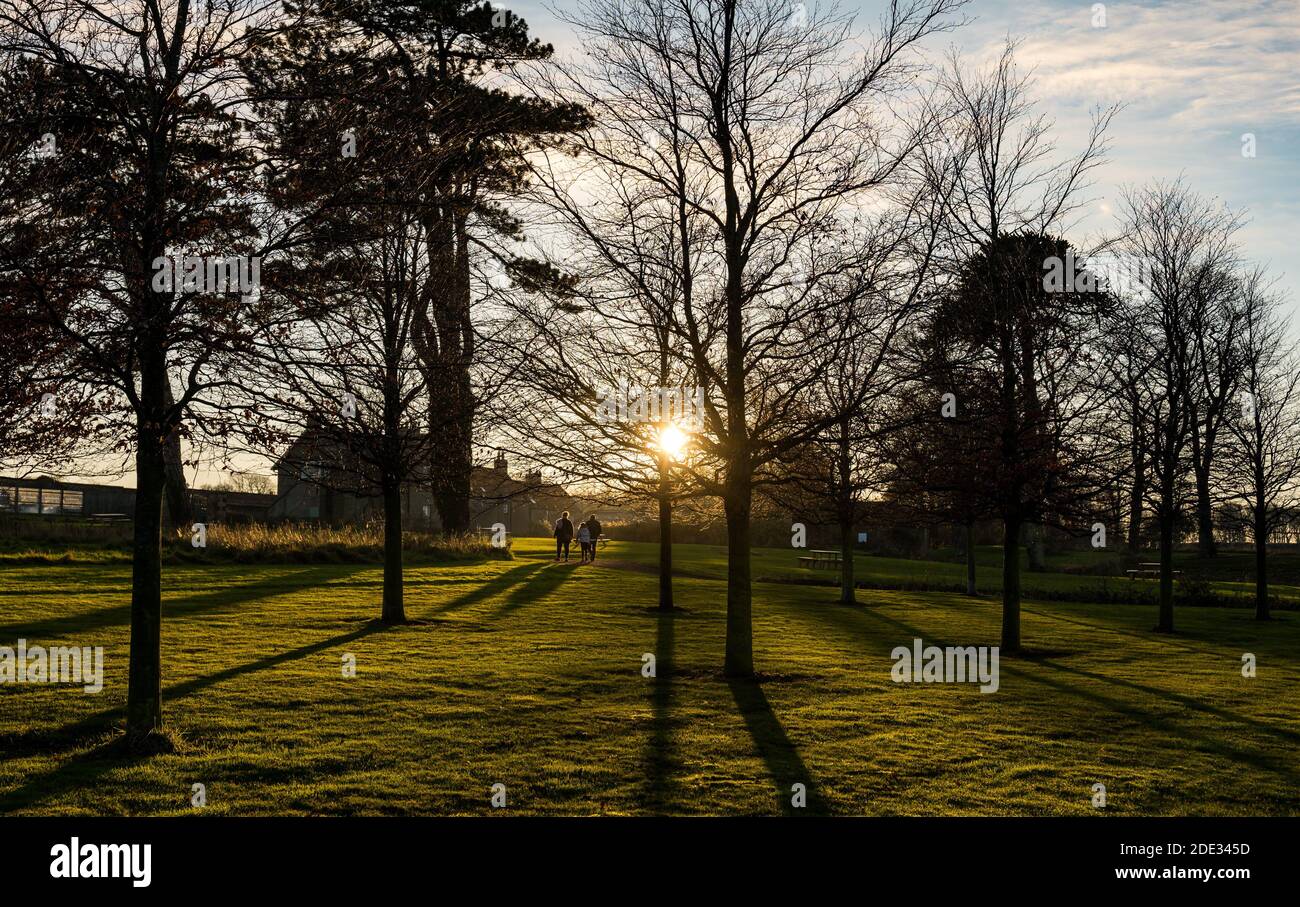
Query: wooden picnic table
[1148,568]
[818,557]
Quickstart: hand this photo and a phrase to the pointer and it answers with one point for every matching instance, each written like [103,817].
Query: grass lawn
[529,674]
[1231,575]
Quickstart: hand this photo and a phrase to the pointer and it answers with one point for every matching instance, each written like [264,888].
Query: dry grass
[296,543]
[309,543]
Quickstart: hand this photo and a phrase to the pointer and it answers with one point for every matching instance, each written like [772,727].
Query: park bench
[815,559]
[1148,570]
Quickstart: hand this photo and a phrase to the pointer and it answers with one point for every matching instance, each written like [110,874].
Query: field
[528,674]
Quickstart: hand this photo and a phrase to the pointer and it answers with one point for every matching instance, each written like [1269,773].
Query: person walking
[584,542]
[593,525]
[563,536]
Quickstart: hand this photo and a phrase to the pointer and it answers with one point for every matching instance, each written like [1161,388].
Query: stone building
[314,485]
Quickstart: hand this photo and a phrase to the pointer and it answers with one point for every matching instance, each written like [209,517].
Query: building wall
[295,500]
[47,498]
[301,500]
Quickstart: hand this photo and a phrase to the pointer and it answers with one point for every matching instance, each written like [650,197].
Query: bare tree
[1127,363]
[884,273]
[756,128]
[1216,323]
[609,398]
[1265,462]
[246,482]
[1182,244]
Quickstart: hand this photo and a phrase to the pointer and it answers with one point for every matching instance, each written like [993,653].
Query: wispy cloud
[1205,65]
[1194,76]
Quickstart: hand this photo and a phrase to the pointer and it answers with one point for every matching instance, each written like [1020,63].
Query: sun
[672,441]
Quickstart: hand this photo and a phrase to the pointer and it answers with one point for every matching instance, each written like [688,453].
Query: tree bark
[738,484]
[179,512]
[144,675]
[847,511]
[970,558]
[393,611]
[445,343]
[1202,455]
[739,660]
[1017,439]
[665,536]
[1261,553]
[453,458]
[1011,584]
[848,595]
[1137,492]
[1166,621]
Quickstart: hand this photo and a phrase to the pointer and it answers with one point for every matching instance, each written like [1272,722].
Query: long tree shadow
[661,761]
[778,751]
[843,617]
[542,581]
[83,768]
[120,615]
[499,583]
[1155,692]
[1171,728]
[1165,640]
[1187,701]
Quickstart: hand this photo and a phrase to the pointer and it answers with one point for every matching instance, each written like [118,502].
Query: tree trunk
[144,675]
[1166,622]
[1137,492]
[847,511]
[1013,447]
[393,610]
[847,594]
[1205,544]
[453,459]
[1011,584]
[179,512]
[445,344]
[1036,546]
[739,661]
[970,558]
[665,537]
[1261,556]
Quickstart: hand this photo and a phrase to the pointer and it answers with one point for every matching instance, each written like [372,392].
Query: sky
[1194,76]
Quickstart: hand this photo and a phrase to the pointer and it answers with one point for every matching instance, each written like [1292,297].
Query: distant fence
[24,528]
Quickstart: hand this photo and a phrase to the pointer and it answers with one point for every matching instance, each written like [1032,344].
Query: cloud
[1194,76]
[1199,65]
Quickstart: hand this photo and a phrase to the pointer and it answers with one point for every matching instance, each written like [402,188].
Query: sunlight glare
[672,441]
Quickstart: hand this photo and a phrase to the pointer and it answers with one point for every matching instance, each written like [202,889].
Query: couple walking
[588,536]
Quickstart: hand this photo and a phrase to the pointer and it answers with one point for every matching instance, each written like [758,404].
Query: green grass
[1080,575]
[528,673]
